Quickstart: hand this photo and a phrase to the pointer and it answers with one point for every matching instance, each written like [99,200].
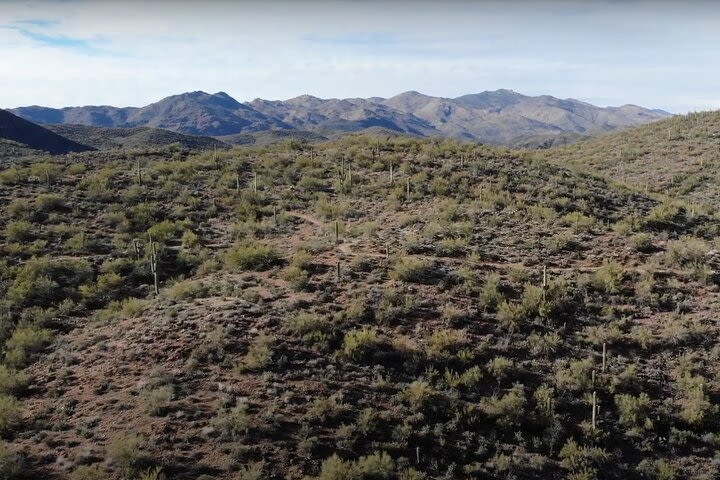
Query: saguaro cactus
[154,265]
[337,232]
[604,357]
[255,182]
[594,410]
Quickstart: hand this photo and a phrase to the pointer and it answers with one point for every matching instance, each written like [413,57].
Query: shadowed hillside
[32,136]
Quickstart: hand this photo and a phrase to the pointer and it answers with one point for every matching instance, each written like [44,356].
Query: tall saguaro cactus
[154,265]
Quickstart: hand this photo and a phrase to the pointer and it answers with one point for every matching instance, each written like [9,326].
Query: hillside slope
[318,316]
[104,138]
[677,157]
[33,136]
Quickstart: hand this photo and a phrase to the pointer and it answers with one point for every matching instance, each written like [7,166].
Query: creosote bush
[252,257]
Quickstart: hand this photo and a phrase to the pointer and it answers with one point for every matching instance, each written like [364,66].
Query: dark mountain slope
[34,136]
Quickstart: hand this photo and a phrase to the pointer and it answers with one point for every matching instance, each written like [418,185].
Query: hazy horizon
[657,55]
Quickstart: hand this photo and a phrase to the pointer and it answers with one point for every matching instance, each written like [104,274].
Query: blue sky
[81,52]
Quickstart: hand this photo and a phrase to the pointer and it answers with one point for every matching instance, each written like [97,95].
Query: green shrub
[376,466]
[609,278]
[10,414]
[235,421]
[665,213]
[18,231]
[575,375]
[78,243]
[152,474]
[641,242]
[501,367]
[21,209]
[164,231]
[687,252]
[252,471]
[510,315]
[323,409]
[694,402]
[412,270]
[508,409]
[156,401]
[13,176]
[259,355]
[659,469]
[186,289]
[189,239]
[633,411]
[579,222]
[12,382]
[128,308]
[296,277]
[579,459]
[335,468]
[88,472]
[45,172]
[10,463]
[443,343]
[311,327]
[358,344]
[48,202]
[490,296]
[25,342]
[127,452]
[252,257]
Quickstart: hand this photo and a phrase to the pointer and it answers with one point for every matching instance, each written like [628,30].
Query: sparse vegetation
[463,335]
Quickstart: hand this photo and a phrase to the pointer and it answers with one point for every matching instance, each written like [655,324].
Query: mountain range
[499,117]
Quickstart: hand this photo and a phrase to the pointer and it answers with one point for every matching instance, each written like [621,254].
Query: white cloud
[654,54]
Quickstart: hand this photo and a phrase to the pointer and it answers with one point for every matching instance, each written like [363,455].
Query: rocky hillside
[500,117]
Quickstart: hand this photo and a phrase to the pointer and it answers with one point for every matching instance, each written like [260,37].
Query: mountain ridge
[496,117]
